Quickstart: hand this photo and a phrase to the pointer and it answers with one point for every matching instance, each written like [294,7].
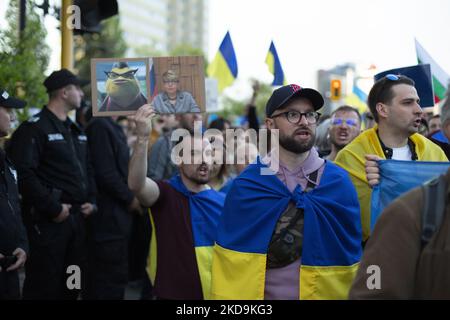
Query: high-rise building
[161,25]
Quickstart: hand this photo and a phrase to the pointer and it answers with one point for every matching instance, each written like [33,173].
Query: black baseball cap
[61,78]
[283,94]
[7,101]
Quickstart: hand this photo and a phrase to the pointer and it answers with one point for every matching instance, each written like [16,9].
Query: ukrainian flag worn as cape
[331,244]
[205,209]
[352,159]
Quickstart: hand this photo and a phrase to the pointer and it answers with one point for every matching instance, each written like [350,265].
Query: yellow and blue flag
[357,99]
[205,208]
[274,64]
[224,66]
[331,243]
[398,177]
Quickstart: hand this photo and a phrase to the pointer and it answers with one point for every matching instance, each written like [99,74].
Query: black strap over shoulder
[312,177]
[434,203]
[287,239]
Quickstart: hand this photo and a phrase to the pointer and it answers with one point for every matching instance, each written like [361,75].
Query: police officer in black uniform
[56,182]
[13,238]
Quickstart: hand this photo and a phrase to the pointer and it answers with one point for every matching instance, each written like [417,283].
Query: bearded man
[185,211]
[293,234]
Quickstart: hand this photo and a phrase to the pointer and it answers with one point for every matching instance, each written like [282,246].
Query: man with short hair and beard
[345,126]
[295,233]
[184,213]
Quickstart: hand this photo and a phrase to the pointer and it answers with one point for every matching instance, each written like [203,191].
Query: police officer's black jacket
[52,161]
[110,156]
[12,231]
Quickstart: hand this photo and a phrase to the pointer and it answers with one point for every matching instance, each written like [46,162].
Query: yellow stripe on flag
[219,70]
[237,275]
[326,283]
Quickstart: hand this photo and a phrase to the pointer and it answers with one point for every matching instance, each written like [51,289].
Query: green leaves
[24,57]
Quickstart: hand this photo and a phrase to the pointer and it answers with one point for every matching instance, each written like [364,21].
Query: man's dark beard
[200,180]
[294,146]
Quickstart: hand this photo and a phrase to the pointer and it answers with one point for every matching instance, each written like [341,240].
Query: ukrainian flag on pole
[273,62]
[224,66]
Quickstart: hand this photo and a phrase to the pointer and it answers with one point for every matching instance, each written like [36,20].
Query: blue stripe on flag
[227,51]
[278,76]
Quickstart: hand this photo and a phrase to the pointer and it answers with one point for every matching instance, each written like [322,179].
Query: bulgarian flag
[440,77]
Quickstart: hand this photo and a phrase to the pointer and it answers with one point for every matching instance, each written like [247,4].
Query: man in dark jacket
[13,238]
[109,229]
[56,181]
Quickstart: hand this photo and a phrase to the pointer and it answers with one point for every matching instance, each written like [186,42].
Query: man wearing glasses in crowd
[394,104]
[304,216]
[122,89]
[345,126]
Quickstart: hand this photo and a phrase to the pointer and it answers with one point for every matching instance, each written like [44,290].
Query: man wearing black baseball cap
[13,238]
[61,78]
[57,185]
[286,228]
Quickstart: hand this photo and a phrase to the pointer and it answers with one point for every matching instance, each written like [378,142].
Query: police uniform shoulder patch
[34,119]
[14,173]
[55,137]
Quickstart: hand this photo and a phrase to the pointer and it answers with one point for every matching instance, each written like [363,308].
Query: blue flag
[274,64]
[398,177]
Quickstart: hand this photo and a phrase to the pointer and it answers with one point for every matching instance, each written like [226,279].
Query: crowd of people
[101,193]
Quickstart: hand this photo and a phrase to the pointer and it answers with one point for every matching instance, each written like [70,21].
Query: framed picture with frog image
[120,86]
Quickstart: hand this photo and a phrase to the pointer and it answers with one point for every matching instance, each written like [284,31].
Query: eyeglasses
[127,75]
[349,122]
[170,81]
[295,117]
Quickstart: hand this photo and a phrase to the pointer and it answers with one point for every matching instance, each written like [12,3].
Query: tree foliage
[24,57]
[235,108]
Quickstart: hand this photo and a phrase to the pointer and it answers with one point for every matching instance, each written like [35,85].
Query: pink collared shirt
[284,283]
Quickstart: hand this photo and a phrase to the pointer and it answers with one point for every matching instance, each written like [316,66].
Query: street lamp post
[66,37]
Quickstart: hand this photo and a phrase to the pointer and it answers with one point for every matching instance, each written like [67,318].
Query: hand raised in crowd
[87,209]
[372,169]
[143,119]
[63,214]
[135,207]
[21,258]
